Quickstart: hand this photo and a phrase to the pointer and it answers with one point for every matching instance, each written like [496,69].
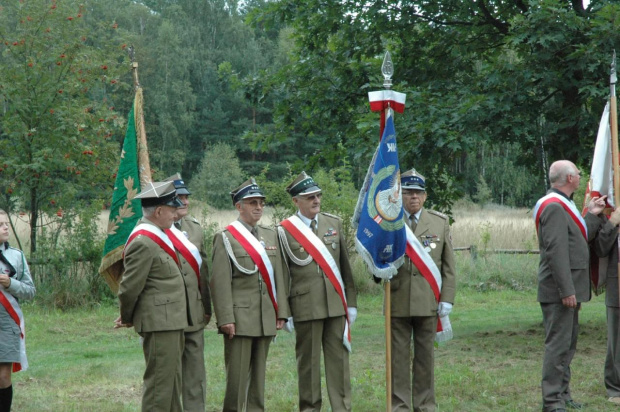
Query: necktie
[177,224]
[414,224]
[254,232]
[313,226]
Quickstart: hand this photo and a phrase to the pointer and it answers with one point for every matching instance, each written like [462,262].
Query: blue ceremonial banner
[381,238]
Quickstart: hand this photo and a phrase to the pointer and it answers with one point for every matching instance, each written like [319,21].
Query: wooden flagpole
[387,69]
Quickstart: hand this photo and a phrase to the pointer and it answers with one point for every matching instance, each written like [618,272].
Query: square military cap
[179,184]
[159,194]
[249,188]
[411,179]
[303,185]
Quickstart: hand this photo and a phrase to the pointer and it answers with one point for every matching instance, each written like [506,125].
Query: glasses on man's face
[254,203]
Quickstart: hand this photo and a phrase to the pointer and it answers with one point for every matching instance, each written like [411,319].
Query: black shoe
[571,404]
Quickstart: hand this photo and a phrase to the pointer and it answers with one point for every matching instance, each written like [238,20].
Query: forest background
[496,90]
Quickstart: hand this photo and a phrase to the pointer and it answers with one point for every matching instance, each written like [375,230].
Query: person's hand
[228,329]
[444,309]
[5,281]
[352,313]
[289,326]
[207,318]
[596,205]
[614,218]
[570,301]
[280,323]
[118,323]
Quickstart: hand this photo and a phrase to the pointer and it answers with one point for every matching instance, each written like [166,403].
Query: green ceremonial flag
[125,210]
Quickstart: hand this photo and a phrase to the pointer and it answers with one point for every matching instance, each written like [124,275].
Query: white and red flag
[600,184]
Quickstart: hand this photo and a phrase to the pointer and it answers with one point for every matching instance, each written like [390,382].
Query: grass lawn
[79,363]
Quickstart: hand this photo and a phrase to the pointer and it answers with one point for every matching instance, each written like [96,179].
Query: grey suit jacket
[564,255]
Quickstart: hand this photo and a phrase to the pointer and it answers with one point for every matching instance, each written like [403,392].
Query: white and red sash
[321,255]
[569,206]
[12,307]
[429,270]
[187,249]
[259,256]
[168,240]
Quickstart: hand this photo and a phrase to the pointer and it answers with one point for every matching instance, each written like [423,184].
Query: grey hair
[559,172]
[148,211]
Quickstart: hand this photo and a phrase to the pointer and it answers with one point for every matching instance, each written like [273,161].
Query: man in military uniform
[249,298]
[322,296]
[194,382]
[414,306]
[152,295]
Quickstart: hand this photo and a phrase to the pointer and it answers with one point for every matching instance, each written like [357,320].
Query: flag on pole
[133,172]
[600,184]
[381,238]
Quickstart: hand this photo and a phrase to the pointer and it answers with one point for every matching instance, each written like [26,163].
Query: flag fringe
[382,273]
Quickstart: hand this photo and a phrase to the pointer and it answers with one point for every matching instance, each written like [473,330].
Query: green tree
[56,124]
[529,73]
[219,173]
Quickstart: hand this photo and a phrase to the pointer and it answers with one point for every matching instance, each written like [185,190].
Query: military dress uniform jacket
[606,245]
[152,291]
[243,299]
[411,293]
[199,298]
[564,255]
[311,294]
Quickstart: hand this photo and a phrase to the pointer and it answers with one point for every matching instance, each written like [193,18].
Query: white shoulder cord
[297,261]
[228,248]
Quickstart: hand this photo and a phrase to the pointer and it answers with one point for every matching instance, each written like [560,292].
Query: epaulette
[330,215]
[192,219]
[436,213]
[266,227]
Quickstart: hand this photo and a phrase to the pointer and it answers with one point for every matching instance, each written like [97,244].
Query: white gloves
[444,309]
[352,312]
[288,325]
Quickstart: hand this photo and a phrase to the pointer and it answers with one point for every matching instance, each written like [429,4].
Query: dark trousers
[561,330]
[246,361]
[310,337]
[612,360]
[162,376]
[423,329]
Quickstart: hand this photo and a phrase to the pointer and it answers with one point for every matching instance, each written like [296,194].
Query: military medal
[433,245]
[186,235]
[334,246]
[427,249]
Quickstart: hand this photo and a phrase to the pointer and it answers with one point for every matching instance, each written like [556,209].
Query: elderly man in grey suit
[563,278]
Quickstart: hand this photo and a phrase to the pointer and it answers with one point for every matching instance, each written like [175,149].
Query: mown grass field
[80,363]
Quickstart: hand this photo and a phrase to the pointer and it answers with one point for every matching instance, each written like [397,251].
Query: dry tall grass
[493,226]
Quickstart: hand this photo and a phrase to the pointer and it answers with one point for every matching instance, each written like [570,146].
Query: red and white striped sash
[12,307]
[315,248]
[258,255]
[569,206]
[187,249]
[429,270]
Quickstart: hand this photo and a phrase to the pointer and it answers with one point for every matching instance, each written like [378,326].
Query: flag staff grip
[388,346]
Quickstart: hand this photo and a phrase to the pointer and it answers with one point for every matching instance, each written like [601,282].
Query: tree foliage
[532,74]
[56,123]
